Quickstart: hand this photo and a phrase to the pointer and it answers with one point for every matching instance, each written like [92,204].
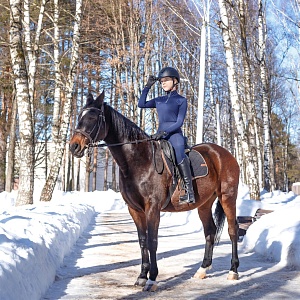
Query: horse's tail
[219,219]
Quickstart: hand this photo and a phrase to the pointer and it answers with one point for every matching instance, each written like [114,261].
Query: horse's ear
[89,99]
[100,99]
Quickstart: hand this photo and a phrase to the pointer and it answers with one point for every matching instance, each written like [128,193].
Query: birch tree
[7,119]
[233,90]
[269,177]
[58,77]
[32,45]
[60,139]
[250,115]
[11,146]
[26,173]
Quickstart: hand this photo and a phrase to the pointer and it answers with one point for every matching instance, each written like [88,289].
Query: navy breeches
[177,141]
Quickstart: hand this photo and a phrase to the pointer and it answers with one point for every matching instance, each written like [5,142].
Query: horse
[144,184]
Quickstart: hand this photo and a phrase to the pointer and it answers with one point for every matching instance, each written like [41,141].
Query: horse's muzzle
[77,150]
[78,144]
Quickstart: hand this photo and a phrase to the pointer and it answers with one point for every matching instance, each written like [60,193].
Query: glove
[159,135]
[151,80]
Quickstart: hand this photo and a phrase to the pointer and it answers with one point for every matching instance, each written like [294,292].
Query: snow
[34,239]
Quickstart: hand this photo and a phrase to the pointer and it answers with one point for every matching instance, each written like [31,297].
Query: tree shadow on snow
[247,287]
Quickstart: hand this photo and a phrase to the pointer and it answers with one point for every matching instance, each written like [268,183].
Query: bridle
[97,126]
[100,121]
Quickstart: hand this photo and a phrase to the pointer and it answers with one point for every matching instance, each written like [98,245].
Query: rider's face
[167,83]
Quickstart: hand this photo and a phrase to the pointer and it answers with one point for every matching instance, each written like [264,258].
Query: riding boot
[185,172]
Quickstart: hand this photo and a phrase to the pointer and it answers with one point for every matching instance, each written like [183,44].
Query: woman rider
[171,110]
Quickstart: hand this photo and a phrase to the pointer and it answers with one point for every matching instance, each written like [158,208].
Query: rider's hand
[151,80]
[159,135]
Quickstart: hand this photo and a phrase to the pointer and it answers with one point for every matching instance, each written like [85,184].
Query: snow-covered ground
[34,239]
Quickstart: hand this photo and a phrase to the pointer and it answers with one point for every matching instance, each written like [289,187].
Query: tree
[269,177]
[26,178]
[61,136]
[242,144]
[8,109]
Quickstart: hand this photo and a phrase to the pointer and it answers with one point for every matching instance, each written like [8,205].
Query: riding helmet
[168,72]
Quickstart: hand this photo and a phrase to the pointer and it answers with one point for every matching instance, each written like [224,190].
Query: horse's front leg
[139,219]
[153,218]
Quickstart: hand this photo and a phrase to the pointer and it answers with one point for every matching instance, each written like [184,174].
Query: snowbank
[33,242]
[34,239]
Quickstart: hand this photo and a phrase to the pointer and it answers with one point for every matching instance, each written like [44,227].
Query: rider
[171,110]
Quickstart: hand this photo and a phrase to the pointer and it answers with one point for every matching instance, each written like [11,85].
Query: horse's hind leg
[229,206]
[209,233]
[139,219]
[233,233]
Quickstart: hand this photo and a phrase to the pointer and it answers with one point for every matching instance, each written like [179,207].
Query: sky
[34,239]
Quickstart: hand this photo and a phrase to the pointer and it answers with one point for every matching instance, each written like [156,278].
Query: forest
[238,61]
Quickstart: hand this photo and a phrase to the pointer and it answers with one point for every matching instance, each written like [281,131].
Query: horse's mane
[124,126]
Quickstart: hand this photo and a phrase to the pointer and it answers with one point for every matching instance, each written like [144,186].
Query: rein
[99,144]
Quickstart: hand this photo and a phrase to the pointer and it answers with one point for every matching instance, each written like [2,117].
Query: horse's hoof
[232,276]
[201,273]
[151,286]
[141,282]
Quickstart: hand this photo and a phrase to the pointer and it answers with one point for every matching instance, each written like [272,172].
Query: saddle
[197,164]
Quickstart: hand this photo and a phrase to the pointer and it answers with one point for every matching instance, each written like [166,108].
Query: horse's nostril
[74,147]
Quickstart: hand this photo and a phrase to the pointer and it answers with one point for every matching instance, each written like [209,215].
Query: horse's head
[91,125]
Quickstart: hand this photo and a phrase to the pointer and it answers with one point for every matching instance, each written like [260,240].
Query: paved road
[105,265]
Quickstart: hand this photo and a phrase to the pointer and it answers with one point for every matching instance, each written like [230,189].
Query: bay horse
[144,184]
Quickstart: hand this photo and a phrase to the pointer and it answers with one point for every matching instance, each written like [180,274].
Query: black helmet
[168,72]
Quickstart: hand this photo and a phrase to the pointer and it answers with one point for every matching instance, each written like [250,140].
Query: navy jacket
[171,110]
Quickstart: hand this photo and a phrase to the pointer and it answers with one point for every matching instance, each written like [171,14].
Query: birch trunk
[146,54]
[32,47]
[113,174]
[65,112]
[241,137]
[26,172]
[3,138]
[218,123]
[105,171]
[11,147]
[57,89]
[95,165]
[199,135]
[269,175]
[216,111]
[78,175]
[249,115]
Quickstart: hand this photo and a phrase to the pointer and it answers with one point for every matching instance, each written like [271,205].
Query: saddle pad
[198,164]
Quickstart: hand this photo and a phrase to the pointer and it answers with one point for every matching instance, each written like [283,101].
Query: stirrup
[186,198]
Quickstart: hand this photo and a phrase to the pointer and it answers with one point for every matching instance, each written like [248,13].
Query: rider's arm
[142,101]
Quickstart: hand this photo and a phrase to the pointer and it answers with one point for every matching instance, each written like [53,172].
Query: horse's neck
[123,154]
[121,160]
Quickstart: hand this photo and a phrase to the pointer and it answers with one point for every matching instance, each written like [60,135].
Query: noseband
[97,126]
